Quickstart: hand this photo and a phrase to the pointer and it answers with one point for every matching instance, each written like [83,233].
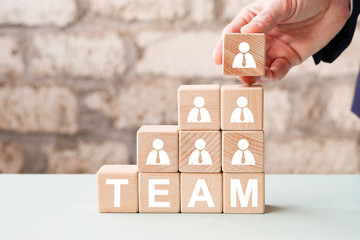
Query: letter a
[201,185]
[252,187]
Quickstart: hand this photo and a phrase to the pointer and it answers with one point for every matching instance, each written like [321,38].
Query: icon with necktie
[157,156]
[242,114]
[243,156]
[199,113]
[200,156]
[244,59]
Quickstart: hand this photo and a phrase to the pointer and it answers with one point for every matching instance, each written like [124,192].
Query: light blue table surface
[64,207]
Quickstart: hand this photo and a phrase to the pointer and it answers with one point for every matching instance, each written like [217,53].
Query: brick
[233,7]
[243,151]
[11,157]
[338,107]
[326,155]
[202,11]
[158,148]
[199,107]
[159,192]
[177,55]
[244,54]
[118,188]
[244,192]
[242,107]
[276,113]
[38,12]
[155,103]
[10,62]
[97,55]
[201,192]
[141,10]
[46,109]
[200,151]
[86,157]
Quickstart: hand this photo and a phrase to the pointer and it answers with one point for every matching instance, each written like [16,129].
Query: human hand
[295,30]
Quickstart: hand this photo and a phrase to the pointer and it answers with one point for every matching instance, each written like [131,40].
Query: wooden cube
[158,148]
[117,188]
[201,192]
[242,151]
[242,107]
[159,192]
[200,151]
[244,54]
[199,107]
[244,192]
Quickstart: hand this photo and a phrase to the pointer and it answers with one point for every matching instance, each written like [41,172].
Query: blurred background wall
[79,77]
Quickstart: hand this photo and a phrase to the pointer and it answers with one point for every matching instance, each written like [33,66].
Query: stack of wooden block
[212,162]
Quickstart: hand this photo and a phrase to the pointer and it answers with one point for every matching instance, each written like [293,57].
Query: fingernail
[263,79]
[253,24]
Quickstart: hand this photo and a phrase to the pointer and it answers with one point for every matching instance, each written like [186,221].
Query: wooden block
[200,151]
[242,151]
[199,107]
[244,54]
[242,107]
[244,192]
[159,192]
[117,188]
[201,192]
[158,148]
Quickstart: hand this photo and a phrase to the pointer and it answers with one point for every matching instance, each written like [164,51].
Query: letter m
[236,190]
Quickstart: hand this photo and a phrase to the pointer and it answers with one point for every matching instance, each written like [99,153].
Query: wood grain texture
[187,141]
[255,103]
[172,196]
[214,184]
[146,135]
[186,97]
[230,142]
[256,42]
[244,179]
[128,192]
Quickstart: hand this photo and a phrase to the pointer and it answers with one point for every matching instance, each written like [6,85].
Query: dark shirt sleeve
[341,41]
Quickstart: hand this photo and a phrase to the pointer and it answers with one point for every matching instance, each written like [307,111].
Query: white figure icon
[244,55]
[200,156]
[243,156]
[157,156]
[199,111]
[242,114]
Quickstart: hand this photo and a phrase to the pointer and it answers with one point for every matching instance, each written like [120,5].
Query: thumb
[266,20]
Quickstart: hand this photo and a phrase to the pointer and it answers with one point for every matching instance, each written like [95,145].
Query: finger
[278,69]
[241,19]
[217,52]
[267,19]
[247,79]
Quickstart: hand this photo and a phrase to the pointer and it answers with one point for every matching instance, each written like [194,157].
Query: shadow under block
[117,188]
[242,107]
[201,192]
[242,151]
[200,151]
[158,148]
[244,54]
[199,107]
[244,192]
[159,192]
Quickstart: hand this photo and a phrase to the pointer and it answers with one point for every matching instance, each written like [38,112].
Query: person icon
[157,156]
[199,113]
[243,156]
[242,114]
[244,55]
[200,156]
